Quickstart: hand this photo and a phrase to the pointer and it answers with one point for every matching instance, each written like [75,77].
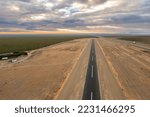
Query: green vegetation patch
[142,39]
[12,55]
[17,43]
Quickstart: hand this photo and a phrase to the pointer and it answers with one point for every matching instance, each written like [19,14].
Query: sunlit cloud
[49,5]
[71,30]
[38,17]
[100,16]
[14,8]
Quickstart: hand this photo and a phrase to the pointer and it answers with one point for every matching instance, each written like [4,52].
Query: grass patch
[141,39]
[17,43]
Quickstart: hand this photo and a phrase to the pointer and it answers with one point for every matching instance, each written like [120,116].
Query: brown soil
[42,74]
[130,66]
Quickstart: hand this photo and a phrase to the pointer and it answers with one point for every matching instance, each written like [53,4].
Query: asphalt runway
[91,88]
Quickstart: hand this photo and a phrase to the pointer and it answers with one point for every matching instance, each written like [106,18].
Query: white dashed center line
[92,72]
[92,58]
[91,95]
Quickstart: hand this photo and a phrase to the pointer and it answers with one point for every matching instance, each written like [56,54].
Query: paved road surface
[91,88]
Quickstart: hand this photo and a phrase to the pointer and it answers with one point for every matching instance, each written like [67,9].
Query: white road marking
[91,95]
[92,72]
[92,58]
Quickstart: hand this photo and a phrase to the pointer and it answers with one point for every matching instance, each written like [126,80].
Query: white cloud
[75,15]
[38,17]
[48,5]
[14,8]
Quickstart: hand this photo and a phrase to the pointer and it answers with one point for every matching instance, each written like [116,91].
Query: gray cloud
[131,16]
[93,2]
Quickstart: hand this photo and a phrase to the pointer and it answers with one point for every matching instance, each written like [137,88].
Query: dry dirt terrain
[41,75]
[128,68]
[59,71]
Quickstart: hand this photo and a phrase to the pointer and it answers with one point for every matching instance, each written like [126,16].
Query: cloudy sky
[98,16]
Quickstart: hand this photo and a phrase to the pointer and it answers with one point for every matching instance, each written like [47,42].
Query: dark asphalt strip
[91,88]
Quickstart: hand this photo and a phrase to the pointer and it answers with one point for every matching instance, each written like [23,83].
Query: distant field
[138,38]
[142,39]
[13,43]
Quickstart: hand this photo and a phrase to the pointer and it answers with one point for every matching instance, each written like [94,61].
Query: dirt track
[42,74]
[130,67]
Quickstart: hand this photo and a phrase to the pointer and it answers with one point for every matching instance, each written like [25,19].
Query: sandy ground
[73,87]
[41,75]
[130,66]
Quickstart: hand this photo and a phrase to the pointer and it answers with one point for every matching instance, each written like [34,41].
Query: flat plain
[124,69]
[41,75]
[15,43]
[59,71]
